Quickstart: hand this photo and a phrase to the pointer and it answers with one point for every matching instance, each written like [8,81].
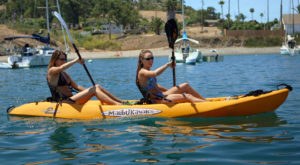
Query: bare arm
[58,69]
[156,72]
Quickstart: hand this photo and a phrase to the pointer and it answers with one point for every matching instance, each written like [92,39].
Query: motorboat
[213,58]
[29,56]
[32,57]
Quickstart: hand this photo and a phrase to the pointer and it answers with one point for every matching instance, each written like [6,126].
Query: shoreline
[163,52]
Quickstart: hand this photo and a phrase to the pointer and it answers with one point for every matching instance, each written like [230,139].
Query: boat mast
[47,14]
[182,4]
[293,17]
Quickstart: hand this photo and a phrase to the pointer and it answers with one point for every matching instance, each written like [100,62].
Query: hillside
[148,14]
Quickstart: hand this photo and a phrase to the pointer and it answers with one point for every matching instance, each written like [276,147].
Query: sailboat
[289,47]
[184,52]
[32,57]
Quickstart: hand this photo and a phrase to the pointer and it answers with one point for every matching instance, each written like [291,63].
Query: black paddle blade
[172,32]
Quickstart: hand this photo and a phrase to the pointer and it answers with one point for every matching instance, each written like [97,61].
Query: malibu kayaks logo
[131,112]
[49,110]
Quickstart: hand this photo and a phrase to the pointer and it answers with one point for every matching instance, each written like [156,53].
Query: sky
[260,6]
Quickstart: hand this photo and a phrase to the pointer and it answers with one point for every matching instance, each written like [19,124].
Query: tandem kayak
[254,102]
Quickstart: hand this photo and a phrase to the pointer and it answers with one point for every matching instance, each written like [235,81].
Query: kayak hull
[217,107]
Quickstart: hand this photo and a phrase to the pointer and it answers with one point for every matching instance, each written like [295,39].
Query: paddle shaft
[84,66]
[173,68]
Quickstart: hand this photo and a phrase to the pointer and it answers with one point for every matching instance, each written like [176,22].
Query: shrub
[263,41]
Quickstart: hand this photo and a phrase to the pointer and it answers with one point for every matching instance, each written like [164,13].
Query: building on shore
[291,23]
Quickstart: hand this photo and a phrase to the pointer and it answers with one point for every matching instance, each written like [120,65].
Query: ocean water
[269,138]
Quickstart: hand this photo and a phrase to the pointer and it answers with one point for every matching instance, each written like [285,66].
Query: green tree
[71,10]
[156,24]
[222,3]
[261,16]
[251,11]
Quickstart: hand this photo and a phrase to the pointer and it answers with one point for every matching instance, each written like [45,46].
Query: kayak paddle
[172,34]
[58,16]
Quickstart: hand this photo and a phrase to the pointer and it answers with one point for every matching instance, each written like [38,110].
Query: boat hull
[218,107]
[29,61]
[187,58]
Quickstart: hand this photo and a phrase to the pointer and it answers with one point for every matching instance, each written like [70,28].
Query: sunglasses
[149,58]
[62,59]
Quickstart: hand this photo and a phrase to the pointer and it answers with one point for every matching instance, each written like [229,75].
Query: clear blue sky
[260,6]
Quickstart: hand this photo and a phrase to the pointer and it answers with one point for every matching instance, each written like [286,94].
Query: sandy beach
[167,51]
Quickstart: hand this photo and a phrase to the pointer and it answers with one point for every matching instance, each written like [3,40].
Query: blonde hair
[140,64]
[55,57]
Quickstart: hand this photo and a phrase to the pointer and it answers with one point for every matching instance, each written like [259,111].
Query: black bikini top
[62,81]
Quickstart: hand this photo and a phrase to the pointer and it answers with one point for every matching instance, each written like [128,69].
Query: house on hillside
[114,28]
[287,21]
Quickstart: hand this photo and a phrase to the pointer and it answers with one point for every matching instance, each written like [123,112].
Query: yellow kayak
[217,107]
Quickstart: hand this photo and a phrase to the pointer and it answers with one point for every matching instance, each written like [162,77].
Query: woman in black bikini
[146,82]
[61,84]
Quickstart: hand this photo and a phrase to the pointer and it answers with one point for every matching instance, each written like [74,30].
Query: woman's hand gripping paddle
[172,34]
[58,16]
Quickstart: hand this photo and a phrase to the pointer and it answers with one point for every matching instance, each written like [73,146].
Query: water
[271,138]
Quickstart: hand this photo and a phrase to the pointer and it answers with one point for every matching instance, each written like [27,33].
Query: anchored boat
[252,103]
[184,52]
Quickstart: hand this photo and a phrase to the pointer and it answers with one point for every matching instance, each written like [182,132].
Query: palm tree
[261,15]
[243,17]
[238,1]
[238,16]
[268,10]
[252,11]
[221,3]
[228,14]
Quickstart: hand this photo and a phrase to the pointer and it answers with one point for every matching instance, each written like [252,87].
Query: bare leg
[110,95]
[179,98]
[184,88]
[83,96]
[104,97]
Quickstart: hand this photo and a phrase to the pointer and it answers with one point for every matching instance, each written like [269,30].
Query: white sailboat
[289,47]
[32,57]
[184,52]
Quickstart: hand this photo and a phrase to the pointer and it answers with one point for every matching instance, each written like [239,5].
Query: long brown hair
[54,57]
[140,64]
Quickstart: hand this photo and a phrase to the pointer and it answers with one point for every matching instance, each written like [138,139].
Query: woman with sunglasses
[61,84]
[146,82]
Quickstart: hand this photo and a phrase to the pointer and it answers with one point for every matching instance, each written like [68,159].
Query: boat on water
[289,47]
[254,102]
[213,58]
[184,52]
[31,57]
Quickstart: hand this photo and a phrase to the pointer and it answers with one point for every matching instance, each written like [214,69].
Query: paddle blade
[172,32]
[63,23]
